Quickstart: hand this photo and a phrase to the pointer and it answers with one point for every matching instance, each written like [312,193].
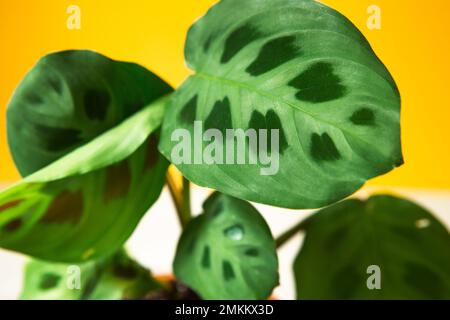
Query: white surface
[154,241]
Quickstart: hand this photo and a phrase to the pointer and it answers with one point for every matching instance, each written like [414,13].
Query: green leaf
[405,241]
[296,66]
[68,99]
[111,278]
[227,252]
[88,202]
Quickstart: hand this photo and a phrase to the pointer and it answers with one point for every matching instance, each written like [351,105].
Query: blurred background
[412,41]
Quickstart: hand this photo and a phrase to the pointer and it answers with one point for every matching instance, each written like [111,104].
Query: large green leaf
[227,252]
[70,98]
[111,278]
[410,247]
[88,202]
[299,67]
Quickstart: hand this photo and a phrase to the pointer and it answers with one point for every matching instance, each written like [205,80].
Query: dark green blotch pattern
[270,121]
[152,155]
[55,84]
[57,139]
[207,44]
[10,204]
[363,117]
[425,281]
[220,116]
[118,181]
[34,98]
[257,121]
[274,122]
[206,257]
[66,207]
[218,209]
[251,252]
[323,148]
[273,54]
[188,113]
[192,244]
[318,84]
[228,271]
[96,104]
[13,226]
[237,40]
[49,281]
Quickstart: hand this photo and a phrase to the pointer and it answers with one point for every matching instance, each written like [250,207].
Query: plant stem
[174,193]
[287,235]
[186,200]
[181,198]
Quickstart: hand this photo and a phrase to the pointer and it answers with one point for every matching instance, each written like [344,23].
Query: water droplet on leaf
[235,232]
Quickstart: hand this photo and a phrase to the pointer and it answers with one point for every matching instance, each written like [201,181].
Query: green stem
[287,235]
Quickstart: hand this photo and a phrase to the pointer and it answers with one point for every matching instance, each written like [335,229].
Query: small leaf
[296,66]
[86,203]
[111,278]
[352,245]
[227,252]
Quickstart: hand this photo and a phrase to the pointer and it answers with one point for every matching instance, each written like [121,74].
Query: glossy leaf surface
[227,252]
[382,248]
[68,99]
[112,278]
[88,202]
[295,66]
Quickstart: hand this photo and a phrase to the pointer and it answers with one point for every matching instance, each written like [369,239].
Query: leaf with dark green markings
[68,99]
[111,278]
[85,202]
[299,67]
[227,252]
[405,241]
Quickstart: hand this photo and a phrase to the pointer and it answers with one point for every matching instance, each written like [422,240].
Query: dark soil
[174,291]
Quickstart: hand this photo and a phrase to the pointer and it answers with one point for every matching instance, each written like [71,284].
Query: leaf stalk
[288,234]
[181,196]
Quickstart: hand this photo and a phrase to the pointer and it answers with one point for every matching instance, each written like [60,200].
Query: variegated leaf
[115,277]
[296,66]
[228,252]
[381,248]
[86,203]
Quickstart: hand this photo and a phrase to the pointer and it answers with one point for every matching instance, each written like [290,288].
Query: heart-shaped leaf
[86,203]
[295,66]
[382,248]
[111,278]
[227,252]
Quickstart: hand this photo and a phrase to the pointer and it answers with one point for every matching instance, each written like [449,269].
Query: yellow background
[413,42]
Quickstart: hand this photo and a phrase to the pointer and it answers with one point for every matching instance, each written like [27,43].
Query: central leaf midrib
[242,85]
